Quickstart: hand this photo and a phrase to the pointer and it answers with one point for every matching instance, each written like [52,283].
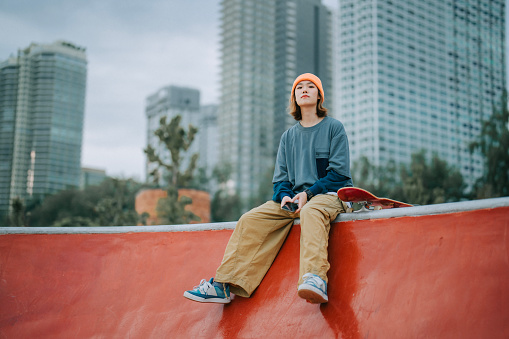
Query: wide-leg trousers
[260,233]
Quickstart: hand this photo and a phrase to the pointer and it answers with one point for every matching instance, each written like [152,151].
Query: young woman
[312,163]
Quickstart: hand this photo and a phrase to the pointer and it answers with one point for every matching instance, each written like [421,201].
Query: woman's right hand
[285,200]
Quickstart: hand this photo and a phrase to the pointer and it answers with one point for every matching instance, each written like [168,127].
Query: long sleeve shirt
[315,158]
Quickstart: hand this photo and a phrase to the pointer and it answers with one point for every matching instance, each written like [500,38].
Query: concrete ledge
[416,211]
[118,229]
[383,214]
[390,276]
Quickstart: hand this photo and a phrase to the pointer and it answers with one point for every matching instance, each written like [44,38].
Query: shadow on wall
[344,257]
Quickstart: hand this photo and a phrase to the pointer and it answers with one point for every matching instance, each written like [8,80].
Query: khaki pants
[261,232]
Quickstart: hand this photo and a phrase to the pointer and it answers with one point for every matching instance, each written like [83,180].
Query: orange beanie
[309,77]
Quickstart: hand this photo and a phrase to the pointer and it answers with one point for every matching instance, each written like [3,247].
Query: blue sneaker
[209,292]
[313,289]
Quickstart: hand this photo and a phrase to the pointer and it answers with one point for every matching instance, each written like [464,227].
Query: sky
[133,47]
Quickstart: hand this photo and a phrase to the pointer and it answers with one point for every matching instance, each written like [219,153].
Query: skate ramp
[404,275]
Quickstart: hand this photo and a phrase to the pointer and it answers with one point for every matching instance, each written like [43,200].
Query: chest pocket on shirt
[322,161]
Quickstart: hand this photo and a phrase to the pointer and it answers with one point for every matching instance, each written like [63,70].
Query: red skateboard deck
[367,199]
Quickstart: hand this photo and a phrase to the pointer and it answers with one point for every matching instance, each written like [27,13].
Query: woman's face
[306,93]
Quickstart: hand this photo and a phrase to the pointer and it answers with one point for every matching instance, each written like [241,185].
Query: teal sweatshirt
[315,158]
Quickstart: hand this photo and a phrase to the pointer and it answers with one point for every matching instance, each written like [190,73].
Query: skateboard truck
[365,207]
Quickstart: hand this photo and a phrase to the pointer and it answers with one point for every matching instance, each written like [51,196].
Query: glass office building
[208,139]
[42,100]
[415,75]
[265,45]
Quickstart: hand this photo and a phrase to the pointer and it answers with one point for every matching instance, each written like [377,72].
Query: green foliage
[225,207]
[176,140]
[493,143]
[17,216]
[109,204]
[420,183]
[222,173]
[431,183]
[117,208]
[171,210]
[200,181]
[144,218]
[64,204]
[73,222]
[265,190]
[226,204]
[384,180]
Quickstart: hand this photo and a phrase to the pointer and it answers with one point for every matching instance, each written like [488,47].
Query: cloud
[133,48]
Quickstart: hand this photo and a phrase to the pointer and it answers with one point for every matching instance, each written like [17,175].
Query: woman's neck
[309,117]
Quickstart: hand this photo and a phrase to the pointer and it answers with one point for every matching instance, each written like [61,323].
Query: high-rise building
[303,45]
[42,102]
[92,177]
[265,45]
[208,138]
[419,74]
[169,102]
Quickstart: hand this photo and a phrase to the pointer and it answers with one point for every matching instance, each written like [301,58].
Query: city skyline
[132,50]
[128,60]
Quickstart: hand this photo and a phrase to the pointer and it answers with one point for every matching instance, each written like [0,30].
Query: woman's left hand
[302,198]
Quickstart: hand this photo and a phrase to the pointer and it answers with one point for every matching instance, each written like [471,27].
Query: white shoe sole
[206,300]
[312,294]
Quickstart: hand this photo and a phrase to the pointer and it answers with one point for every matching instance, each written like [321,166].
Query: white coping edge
[415,211]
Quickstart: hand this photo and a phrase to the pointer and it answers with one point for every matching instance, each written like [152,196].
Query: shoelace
[203,287]
[313,279]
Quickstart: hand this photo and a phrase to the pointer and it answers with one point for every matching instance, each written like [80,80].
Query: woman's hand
[302,198]
[285,200]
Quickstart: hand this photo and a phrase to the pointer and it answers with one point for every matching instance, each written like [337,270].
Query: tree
[109,204]
[64,204]
[383,181]
[200,180]
[176,140]
[431,183]
[421,182]
[171,210]
[226,204]
[73,222]
[17,216]
[493,143]
[265,189]
[117,208]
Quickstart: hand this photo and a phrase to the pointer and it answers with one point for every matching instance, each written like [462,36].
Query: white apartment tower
[419,74]
[265,44]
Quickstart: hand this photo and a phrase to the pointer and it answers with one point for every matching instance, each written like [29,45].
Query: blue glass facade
[45,125]
[8,98]
[265,45]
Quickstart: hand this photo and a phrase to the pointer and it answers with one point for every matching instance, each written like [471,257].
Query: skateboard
[368,200]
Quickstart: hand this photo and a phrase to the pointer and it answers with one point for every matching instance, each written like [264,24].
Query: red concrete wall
[441,276]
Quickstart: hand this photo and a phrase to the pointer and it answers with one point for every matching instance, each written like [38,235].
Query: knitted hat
[309,77]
